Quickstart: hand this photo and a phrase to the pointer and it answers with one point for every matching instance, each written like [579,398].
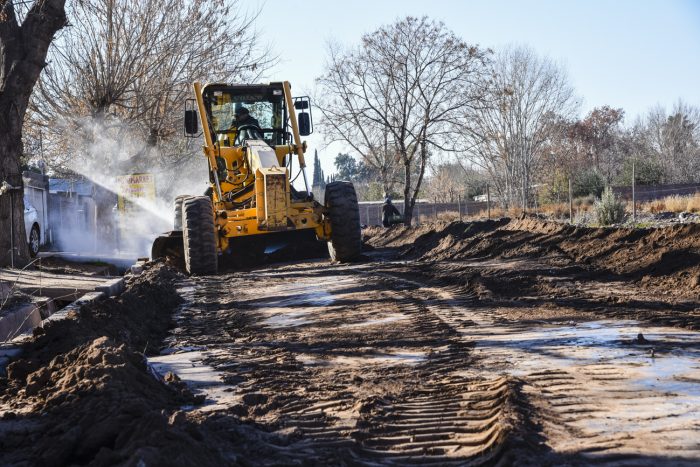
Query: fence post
[94,226]
[634,197]
[488,201]
[435,210]
[459,206]
[12,229]
[571,203]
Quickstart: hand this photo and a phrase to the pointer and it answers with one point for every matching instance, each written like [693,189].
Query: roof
[79,187]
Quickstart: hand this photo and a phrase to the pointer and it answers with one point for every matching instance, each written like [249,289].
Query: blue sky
[629,54]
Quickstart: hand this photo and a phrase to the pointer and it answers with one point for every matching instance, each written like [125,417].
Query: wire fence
[426,210]
[651,192]
[371,211]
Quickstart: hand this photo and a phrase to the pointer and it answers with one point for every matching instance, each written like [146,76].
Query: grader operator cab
[252,135]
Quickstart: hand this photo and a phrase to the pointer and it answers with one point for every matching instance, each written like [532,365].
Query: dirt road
[444,363]
[467,344]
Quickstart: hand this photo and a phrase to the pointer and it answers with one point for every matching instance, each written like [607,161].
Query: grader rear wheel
[346,241]
[199,238]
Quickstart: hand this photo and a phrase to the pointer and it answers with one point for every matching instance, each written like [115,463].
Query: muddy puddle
[654,357]
[293,311]
[397,357]
[620,386]
[383,320]
[292,305]
[199,377]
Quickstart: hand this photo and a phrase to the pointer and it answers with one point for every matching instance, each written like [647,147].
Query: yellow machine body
[250,179]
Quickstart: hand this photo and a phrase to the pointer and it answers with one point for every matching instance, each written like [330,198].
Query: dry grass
[694,203]
[675,203]
[654,206]
[498,212]
[556,210]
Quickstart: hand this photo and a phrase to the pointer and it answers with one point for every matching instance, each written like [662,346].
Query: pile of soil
[666,258]
[82,391]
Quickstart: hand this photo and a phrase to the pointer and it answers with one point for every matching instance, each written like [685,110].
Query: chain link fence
[427,211]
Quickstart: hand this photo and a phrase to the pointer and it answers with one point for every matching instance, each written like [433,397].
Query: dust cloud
[106,149]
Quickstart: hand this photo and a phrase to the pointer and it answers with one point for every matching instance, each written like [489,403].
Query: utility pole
[634,197]
[488,201]
[571,203]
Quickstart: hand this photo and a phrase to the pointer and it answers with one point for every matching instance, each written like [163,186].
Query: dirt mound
[97,404]
[82,392]
[640,252]
[666,257]
[423,236]
[140,318]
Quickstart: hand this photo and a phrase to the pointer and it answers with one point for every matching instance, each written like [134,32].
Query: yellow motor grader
[252,135]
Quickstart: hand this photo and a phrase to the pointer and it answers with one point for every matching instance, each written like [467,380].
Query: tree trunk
[407,205]
[23,51]
[13,240]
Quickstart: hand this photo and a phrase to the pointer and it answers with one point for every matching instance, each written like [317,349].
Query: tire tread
[346,241]
[198,234]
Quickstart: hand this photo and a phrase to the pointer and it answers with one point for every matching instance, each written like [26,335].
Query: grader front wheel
[199,238]
[346,240]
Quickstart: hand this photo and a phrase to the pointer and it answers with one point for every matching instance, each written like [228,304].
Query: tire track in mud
[342,360]
[599,397]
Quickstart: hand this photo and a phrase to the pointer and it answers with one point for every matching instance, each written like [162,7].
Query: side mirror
[303,105]
[191,126]
[304,124]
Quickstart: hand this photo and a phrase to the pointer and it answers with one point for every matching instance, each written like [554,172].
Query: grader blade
[170,246]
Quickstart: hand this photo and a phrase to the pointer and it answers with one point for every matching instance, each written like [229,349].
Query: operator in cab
[247,123]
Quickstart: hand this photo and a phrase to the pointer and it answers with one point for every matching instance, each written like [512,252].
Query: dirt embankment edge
[666,258]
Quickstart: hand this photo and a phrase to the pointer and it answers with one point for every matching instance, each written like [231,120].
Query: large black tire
[346,238]
[199,238]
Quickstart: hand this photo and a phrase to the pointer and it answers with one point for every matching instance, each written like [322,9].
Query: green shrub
[584,201]
[589,182]
[647,172]
[609,209]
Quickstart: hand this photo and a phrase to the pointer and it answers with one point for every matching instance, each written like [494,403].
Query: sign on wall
[133,187]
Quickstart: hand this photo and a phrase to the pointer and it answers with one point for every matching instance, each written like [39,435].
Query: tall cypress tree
[319,178]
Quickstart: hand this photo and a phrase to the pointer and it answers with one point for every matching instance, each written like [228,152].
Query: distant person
[388,210]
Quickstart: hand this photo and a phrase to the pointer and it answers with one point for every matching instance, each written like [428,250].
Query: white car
[32,225]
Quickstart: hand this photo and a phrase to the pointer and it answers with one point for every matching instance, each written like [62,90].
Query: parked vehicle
[32,225]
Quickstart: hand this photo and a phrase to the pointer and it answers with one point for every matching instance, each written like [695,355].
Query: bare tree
[24,43]
[445,183]
[528,95]
[340,105]
[599,136]
[674,141]
[126,67]
[396,97]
